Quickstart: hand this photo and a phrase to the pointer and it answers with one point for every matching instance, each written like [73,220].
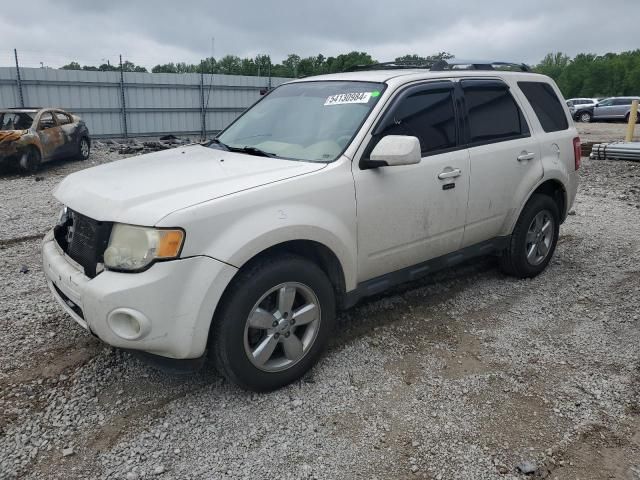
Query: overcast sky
[152,32]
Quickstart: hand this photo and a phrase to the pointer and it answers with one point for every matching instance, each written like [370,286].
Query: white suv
[327,190]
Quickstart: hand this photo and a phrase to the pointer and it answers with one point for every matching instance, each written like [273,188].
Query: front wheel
[585,117]
[30,161]
[534,238]
[84,148]
[273,323]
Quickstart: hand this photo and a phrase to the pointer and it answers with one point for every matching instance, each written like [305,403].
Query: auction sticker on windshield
[343,98]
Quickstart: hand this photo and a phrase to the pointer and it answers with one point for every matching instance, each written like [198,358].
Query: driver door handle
[526,156]
[456,172]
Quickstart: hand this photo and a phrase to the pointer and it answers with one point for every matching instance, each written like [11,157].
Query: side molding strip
[383,282]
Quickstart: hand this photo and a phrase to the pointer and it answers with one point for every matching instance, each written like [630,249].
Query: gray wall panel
[156,102]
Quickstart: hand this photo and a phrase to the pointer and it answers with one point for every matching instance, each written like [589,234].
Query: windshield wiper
[218,142]
[252,151]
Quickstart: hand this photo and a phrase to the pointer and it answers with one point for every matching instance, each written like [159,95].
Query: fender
[236,228]
[557,175]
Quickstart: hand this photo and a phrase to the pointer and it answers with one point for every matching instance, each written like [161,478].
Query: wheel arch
[557,191]
[553,188]
[312,250]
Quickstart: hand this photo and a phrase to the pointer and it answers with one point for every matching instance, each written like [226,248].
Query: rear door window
[546,105]
[622,101]
[492,112]
[63,118]
[47,121]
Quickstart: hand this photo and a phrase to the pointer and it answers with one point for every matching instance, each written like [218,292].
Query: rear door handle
[456,172]
[526,156]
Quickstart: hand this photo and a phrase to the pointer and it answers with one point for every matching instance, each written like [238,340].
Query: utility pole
[125,132]
[18,79]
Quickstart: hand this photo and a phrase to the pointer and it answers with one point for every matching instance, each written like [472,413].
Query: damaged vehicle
[32,136]
[328,190]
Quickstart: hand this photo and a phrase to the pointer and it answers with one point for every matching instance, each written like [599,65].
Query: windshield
[313,121]
[15,121]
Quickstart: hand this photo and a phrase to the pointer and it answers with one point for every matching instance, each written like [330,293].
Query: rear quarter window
[546,105]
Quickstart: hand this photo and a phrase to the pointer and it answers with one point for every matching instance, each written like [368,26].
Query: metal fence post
[203,112]
[125,132]
[18,79]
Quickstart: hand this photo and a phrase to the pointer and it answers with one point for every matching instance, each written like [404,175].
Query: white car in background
[582,108]
[328,190]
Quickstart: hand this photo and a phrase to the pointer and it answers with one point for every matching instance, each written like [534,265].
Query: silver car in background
[582,108]
[613,108]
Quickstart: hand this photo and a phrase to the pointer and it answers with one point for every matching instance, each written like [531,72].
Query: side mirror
[394,150]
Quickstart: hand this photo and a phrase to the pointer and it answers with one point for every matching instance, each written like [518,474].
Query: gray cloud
[151,32]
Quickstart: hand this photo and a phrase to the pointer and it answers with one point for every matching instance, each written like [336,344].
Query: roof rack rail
[391,66]
[441,65]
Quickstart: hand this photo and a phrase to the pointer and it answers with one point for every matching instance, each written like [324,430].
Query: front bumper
[172,302]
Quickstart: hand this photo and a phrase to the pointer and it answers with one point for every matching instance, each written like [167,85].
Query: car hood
[7,136]
[142,190]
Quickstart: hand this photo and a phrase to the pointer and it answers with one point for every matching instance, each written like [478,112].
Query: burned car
[31,136]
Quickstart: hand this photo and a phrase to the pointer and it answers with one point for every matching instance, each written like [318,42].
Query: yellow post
[633,116]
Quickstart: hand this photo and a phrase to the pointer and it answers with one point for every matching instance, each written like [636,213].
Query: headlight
[63,216]
[134,248]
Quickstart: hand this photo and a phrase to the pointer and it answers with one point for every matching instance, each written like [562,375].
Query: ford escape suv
[327,190]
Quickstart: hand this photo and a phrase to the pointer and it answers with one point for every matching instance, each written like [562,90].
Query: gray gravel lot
[468,374]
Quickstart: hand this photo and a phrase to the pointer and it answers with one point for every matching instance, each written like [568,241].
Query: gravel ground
[468,374]
[604,132]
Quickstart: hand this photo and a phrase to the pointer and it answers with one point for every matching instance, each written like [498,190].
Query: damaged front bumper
[165,310]
[11,146]
[9,152]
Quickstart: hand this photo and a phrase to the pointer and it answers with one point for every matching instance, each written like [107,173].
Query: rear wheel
[274,323]
[30,161]
[534,238]
[626,118]
[84,148]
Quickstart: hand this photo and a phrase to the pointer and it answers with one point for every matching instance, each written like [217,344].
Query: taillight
[577,152]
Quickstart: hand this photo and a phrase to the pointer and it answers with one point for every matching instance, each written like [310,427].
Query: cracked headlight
[134,248]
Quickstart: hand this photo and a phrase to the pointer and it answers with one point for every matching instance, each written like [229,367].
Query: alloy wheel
[540,237]
[282,327]
[84,148]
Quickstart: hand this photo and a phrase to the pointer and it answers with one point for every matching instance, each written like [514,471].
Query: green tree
[291,64]
[347,61]
[230,65]
[71,66]
[553,64]
[128,66]
[107,67]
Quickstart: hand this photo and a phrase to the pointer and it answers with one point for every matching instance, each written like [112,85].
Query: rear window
[546,104]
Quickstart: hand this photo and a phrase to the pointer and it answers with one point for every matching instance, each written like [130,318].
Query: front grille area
[83,239]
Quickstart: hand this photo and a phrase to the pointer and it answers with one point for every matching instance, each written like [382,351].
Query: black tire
[585,117]
[626,118]
[30,161]
[84,149]
[230,330]
[514,260]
